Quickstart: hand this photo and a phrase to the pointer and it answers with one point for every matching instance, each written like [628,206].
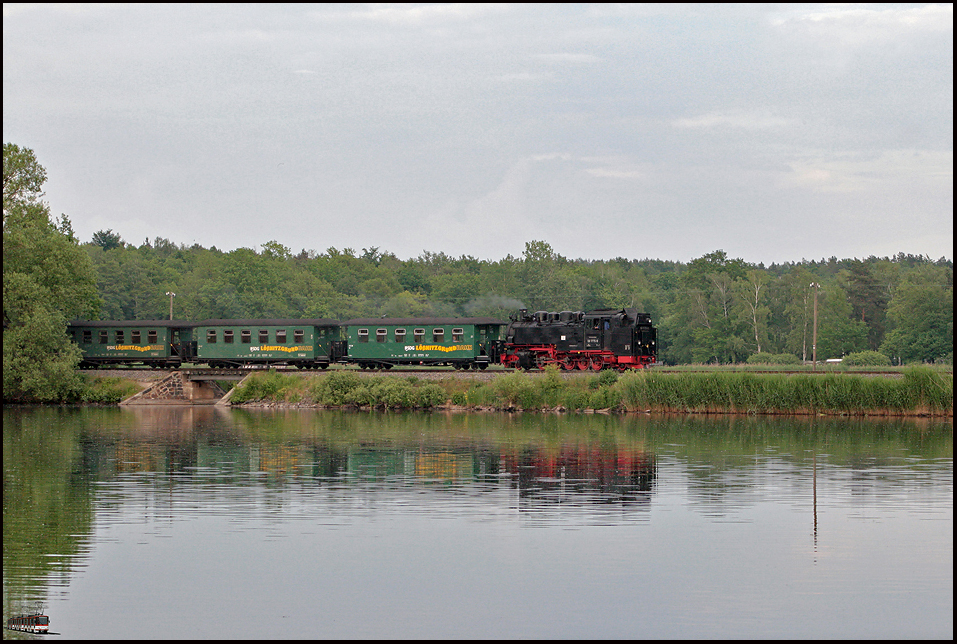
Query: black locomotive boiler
[602,339]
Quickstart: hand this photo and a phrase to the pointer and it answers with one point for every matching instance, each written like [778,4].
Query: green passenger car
[156,343]
[465,343]
[306,344]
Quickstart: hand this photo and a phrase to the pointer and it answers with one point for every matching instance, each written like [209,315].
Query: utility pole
[816,286]
[172,295]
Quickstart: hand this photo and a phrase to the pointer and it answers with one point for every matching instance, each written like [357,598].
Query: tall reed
[919,390]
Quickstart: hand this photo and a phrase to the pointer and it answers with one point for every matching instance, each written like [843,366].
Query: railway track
[247,370]
[452,371]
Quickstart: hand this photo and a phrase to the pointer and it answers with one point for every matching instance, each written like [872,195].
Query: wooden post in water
[814,485]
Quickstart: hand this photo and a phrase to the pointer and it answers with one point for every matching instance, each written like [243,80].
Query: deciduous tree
[47,279]
[922,312]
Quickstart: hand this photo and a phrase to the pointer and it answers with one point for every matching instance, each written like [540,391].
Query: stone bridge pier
[186,387]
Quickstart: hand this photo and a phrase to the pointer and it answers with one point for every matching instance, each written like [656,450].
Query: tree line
[713,309]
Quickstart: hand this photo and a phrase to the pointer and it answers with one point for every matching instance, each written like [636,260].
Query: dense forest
[714,309]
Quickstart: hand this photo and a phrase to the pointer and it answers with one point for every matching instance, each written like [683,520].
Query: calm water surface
[175,522]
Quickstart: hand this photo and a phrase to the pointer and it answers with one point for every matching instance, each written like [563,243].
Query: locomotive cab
[619,332]
[628,333]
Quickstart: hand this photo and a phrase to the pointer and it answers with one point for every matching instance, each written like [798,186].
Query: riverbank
[917,392]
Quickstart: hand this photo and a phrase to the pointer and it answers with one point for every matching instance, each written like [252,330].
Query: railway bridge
[189,387]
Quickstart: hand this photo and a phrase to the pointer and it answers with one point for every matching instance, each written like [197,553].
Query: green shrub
[605,398]
[105,390]
[530,398]
[576,400]
[267,385]
[774,359]
[393,393]
[334,390]
[345,388]
[361,395]
[513,389]
[550,387]
[481,395]
[866,359]
[607,378]
[431,395]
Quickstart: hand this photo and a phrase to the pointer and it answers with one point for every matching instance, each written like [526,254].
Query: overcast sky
[773,132]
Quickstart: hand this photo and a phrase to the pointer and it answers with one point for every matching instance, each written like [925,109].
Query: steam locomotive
[602,339]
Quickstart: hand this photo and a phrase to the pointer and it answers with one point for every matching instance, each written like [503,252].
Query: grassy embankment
[918,391]
[101,390]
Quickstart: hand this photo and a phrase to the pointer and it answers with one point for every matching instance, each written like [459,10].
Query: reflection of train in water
[29,623]
[586,474]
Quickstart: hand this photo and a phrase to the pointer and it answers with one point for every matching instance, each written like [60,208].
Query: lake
[198,522]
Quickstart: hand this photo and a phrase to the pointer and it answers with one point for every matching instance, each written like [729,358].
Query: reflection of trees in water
[720,477]
[47,507]
[53,457]
[553,458]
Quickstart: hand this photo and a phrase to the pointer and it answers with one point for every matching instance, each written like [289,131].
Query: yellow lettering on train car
[267,347]
[438,347]
[134,347]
